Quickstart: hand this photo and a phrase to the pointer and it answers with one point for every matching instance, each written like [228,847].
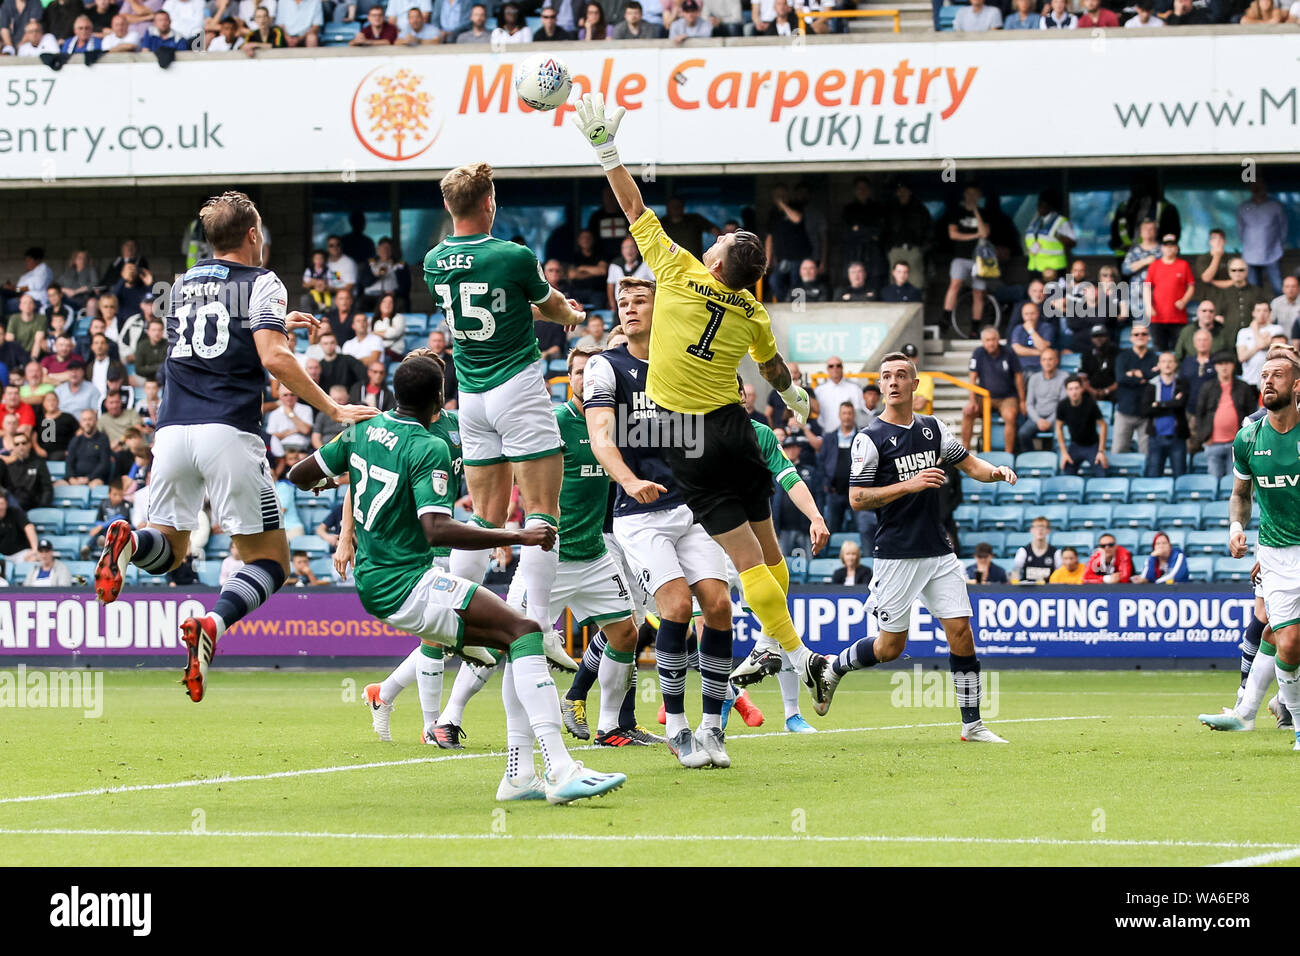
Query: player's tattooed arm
[1238,516]
[776,373]
[796,398]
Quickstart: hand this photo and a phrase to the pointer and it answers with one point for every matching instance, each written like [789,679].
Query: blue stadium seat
[1000,518]
[66,545]
[152,581]
[560,392]
[1082,541]
[1058,515]
[57,469]
[821,569]
[1200,568]
[1177,536]
[1125,337]
[1129,464]
[417,322]
[839,537]
[324,568]
[20,569]
[314,546]
[1105,489]
[98,494]
[1151,489]
[1128,538]
[339,34]
[79,520]
[557,366]
[72,496]
[1024,491]
[976,492]
[1036,464]
[1225,486]
[1214,514]
[414,340]
[1107,410]
[1233,569]
[1063,488]
[966,516]
[997,458]
[798,565]
[1137,515]
[997,540]
[1070,362]
[946,17]
[1098,517]
[1179,516]
[1195,488]
[80,569]
[1204,542]
[218,546]
[1199,464]
[47,520]
[210,573]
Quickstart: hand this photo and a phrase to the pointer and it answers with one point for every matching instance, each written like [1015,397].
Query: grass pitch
[1104,769]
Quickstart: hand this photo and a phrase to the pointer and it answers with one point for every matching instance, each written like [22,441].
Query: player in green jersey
[490,291]
[402,508]
[1266,463]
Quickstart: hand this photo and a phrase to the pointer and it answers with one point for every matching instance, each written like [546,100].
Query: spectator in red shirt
[377,31]
[1094,15]
[1109,564]
[13,403]
[1168,288]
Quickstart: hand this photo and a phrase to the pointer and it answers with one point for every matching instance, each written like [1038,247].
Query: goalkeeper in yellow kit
[705,321]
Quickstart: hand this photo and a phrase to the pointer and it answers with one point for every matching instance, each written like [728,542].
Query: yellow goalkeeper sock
[781,571]
[763,595]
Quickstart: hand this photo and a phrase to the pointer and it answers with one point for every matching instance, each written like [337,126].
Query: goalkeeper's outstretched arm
[599,129]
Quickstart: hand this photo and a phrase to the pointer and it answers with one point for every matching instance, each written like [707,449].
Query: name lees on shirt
[461,260]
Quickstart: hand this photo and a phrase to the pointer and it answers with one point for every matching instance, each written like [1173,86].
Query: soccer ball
[542,81]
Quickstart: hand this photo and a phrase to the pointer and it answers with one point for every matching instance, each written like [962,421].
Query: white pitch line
[284,774]
[1288,850]
[1262,859]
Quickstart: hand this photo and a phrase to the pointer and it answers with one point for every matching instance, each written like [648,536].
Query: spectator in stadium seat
[111,508]
[551,31]
[1111,563]
[1185,15]
[477,31]
[809,288]
[1197,369]
[60,17]
[228,38]
[303,576]
[836,390]
[900,288]
[1070,571]
[437,343]
[996,368]
[56,305]
[851,570]
[341,267]
[55,364]
[965,226]
[1044,392]
[27,326]
[99,361]
[302,21]
[983,570]
[1058,17]
[727,17]
[1207,320]
[1145,17]
[1264,11]
[1165,565]
[162,36]
[151,351]
[871,402]
[83,39]
[1095,15]
[34,388]
[908,231]
[117,419]
[835,464]
[187,18]
[551,339]
[1262,226]
[377,31]
[1164,405]
[1168,288]
[595,336]
[1134,368]
[26,477]
[1143,253]
[17,534]
[628,264]
[977,18]
[635,27]
[1086,444]
[856,290]
[418,30]
[76,394]
[323,427]
[1211,268]
[118,39]
[13,404]
[329,528]
[390,326]
[14,17]
[451,17]
[781,22]
[264,34]
[1236,301]
[54,431]
[1035,561]
[129,290]
[690,24]
[511,27]
[1031,338]
[1253,342]
[289,425]
[1221,407]
[49,571]
[787,242]
[374,392]
[687,229]
[78,279]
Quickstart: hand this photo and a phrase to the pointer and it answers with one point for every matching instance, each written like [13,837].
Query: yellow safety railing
[818,377]
[833,14]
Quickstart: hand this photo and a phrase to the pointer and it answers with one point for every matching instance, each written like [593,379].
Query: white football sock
[676,724]
[615,677]
[1288,690]
[797,658]
[400,678]
[470,679]
[519,735]
[711,720]
[471,565]
[789,682]
[536,691]
[537,569]
[428,681]
[1257,684]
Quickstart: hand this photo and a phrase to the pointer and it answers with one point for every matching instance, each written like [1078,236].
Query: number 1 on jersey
[701,348]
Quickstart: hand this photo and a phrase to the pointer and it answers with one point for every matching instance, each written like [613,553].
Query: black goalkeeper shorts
[720,471]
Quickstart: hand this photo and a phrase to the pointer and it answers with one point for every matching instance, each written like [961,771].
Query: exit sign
[817,341]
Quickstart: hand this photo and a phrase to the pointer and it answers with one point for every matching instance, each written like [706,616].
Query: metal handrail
[987,400]
[831,14]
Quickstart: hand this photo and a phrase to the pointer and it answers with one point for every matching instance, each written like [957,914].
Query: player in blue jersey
[226,328]
[896,472]
[670,552]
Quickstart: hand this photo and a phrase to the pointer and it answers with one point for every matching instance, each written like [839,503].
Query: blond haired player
[705,322]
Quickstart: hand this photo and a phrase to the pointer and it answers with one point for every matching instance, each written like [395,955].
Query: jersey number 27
[365,514]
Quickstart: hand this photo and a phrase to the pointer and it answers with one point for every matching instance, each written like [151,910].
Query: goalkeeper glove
[796,399]
[598,128]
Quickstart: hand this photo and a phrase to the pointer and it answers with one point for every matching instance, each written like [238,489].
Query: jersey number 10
[195,346]
[474,321]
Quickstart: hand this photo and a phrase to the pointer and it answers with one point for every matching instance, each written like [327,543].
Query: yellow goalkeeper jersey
[701,329]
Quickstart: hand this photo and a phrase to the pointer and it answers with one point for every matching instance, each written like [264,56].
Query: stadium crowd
[68,27]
